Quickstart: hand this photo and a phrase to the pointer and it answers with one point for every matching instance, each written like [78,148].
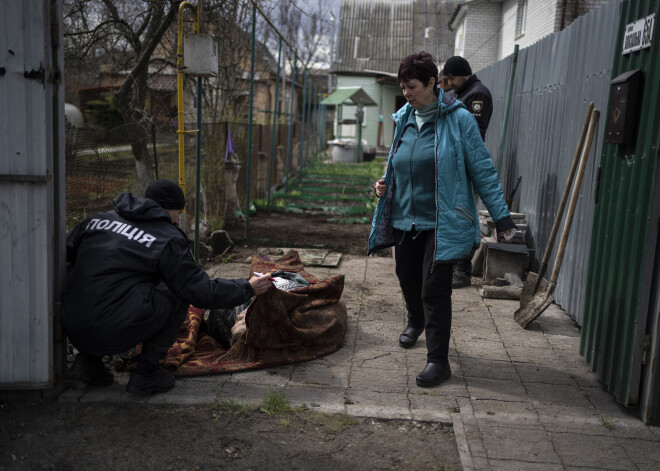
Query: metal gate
[31,192]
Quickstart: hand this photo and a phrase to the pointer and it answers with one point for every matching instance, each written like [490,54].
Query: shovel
[533,281]
[544,296]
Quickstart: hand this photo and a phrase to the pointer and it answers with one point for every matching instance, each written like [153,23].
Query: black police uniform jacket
[111,302]
[477,99]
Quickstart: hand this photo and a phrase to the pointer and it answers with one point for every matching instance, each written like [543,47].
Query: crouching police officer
[132,280]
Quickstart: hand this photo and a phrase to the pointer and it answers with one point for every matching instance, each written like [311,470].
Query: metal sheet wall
[30,190]
[556,78]
[621,284]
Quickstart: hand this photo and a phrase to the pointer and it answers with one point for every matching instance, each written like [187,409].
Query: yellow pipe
[197,27]
[179,88]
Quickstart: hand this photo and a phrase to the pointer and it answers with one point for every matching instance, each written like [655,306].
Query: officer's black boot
[149,378]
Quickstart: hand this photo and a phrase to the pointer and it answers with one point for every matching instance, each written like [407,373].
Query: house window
[459,45]
[521,19]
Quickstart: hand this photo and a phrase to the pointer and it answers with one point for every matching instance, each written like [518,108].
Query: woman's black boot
[433,374]
[409,337]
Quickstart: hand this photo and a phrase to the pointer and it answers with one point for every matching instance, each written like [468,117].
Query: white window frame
[521,18]
[459,47]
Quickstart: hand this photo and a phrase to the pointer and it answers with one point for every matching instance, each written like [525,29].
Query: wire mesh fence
[102,164]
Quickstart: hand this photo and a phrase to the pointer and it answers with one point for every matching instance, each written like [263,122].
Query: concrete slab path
[518,399]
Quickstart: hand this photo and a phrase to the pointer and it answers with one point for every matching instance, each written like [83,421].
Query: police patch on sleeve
[477,106]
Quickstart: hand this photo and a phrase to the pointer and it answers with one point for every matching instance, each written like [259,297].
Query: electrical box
[200,55]
[625,91]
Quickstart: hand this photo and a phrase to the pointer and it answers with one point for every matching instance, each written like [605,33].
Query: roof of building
[354,96]
[374,35]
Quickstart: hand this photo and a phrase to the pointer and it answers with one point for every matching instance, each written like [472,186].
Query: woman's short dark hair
[418,66]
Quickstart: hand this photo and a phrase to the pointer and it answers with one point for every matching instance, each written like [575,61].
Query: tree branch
[123,25]
[145,54]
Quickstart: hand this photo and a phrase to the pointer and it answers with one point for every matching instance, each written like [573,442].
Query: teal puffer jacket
[462,161]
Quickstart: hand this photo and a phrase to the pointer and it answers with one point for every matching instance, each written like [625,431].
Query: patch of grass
[372,170]
[607,423]
[332,189]
[275,403]
[263,203]
[429,393]
[296,195]
[229,406]
[346,421]
[215,223]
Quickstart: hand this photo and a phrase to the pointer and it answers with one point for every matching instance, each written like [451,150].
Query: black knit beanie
[457,66]
[167,194]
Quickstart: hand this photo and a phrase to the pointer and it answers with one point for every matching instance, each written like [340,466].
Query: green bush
[104,113]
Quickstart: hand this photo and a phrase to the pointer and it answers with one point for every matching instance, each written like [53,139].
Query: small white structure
[73,115]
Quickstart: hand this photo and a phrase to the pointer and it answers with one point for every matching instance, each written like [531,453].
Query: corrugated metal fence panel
[27,222]
[619,283]
[556,78]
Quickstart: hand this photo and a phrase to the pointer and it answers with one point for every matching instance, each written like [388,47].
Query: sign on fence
[638,35]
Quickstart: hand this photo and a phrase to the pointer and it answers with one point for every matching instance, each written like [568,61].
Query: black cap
[457,66]
[167,194]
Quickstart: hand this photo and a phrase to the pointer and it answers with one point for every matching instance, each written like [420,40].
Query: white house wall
[482,28]
[508,25]
[541,19]
[544,18]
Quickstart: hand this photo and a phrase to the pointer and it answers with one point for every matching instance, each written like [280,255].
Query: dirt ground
[276,229]
[136,436]
[50,435]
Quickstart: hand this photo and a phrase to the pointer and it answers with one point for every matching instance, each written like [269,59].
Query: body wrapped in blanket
[281,327]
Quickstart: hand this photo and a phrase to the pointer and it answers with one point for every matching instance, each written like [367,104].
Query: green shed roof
[356,96]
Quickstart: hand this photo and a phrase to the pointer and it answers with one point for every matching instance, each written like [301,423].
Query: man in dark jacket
[469,89]
[132,280]
[477,99]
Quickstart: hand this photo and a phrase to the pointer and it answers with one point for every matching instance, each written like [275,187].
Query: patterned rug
[283,327]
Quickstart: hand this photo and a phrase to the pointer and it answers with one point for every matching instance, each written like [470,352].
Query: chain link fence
[101,164]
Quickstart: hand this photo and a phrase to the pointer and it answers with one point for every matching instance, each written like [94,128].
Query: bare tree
[231,25]
[123,33]
[303,24]
[132,36]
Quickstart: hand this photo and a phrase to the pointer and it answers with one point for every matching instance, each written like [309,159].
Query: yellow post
[179,88]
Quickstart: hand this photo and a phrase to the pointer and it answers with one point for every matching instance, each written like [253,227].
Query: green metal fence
[623,244]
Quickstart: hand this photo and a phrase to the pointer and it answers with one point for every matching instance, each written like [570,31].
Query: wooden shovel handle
[575,196]
[567,190]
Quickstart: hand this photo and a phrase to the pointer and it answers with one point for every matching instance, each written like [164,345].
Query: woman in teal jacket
[426,205]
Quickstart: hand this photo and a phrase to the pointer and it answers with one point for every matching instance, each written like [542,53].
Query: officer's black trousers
[155,347]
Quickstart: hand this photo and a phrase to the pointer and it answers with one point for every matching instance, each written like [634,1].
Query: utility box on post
[200,55]
[625,91]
